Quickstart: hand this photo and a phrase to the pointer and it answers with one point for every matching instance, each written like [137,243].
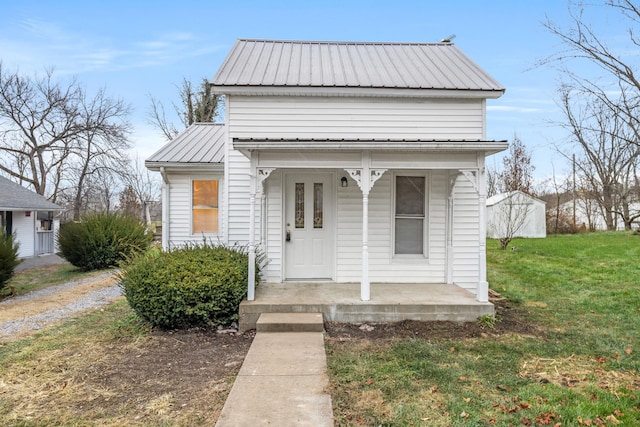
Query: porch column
[166,192]
[256,186]
[449,230]
[365,178]
[483,285]
[477,178]
[251,282]
[262,175]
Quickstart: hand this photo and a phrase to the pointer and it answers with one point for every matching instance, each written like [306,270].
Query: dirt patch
[163,378]
[510,319]
[177,375]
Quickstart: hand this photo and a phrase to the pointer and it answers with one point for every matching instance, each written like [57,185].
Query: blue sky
[136,48]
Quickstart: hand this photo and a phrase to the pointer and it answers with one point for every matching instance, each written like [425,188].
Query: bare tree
[492,182]
[584,42]
[102,145]
[55,137]
[39,124]
[517,172]
[158,118]
[513,181]
[196,106]
[556,192]
[128,202]
[509,217]
[605,158]
[603,114]
[141,185]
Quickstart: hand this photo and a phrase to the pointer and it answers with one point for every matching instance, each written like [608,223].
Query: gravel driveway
[89,300]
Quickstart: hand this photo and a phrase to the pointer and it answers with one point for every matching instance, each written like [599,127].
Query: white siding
[180,209]
[383,267]
[337,118]
[238,199]
[24,228]
[466,268]
[275,233]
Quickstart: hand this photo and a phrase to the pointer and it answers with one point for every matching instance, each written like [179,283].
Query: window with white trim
[204,206]
[409,216]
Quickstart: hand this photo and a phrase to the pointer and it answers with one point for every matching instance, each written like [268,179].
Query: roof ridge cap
[344,42]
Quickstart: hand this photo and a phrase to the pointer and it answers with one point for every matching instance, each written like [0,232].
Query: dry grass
[101,369]
[578,372]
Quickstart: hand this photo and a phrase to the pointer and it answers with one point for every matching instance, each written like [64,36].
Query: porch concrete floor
[340,302]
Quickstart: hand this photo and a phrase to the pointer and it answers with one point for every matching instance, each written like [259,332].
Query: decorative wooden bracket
[356,174]
[472,176]
[366,186]
[262,174]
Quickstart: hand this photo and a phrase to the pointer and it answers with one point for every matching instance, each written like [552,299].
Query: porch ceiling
[248,145]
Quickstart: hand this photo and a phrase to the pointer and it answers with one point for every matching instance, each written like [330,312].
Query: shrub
[198,285]
[8,257]
[102,240]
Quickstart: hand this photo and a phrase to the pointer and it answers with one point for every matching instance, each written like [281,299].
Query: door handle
[288,236]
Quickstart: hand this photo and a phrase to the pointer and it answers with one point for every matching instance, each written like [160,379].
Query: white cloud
[41,44]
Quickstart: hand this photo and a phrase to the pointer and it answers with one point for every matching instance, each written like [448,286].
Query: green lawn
[582,292]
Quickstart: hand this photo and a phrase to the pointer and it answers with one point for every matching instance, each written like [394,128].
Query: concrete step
[290,322]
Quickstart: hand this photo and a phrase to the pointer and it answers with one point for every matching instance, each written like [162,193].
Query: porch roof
[357,68]
[14,197]
[200,145]
[247,145]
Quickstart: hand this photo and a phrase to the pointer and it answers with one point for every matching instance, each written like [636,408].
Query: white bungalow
[350,165]
[30,217]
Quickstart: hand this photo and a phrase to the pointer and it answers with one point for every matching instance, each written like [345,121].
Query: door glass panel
[318,218]
[299,205]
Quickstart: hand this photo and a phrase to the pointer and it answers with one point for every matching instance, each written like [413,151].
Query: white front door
[309,226]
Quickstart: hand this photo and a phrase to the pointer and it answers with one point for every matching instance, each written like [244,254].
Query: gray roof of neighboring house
[199,144]
[14,197]
[373,65]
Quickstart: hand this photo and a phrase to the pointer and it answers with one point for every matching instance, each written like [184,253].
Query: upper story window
[204,206]
[410,219]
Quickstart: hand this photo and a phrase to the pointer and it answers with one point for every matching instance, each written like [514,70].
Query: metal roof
[320,64]
[385,144]
[14,197]
[200,143]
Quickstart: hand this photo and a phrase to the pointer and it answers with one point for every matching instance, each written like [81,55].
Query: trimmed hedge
[103,240]
[198,285]
[8,257]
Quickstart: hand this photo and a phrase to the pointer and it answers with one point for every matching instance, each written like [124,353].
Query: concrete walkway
[283,382]
[40,261]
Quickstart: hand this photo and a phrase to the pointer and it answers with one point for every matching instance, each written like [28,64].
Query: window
[205,206]
[410,215]
[46,220]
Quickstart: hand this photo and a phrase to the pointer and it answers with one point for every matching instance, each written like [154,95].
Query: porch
[341,302]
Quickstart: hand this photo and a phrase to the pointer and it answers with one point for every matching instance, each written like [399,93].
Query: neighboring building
[516,213]
[342,162]
[30,217]
[589,215]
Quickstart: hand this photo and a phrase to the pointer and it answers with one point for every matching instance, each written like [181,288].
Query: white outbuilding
[30,217]
[516,213]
